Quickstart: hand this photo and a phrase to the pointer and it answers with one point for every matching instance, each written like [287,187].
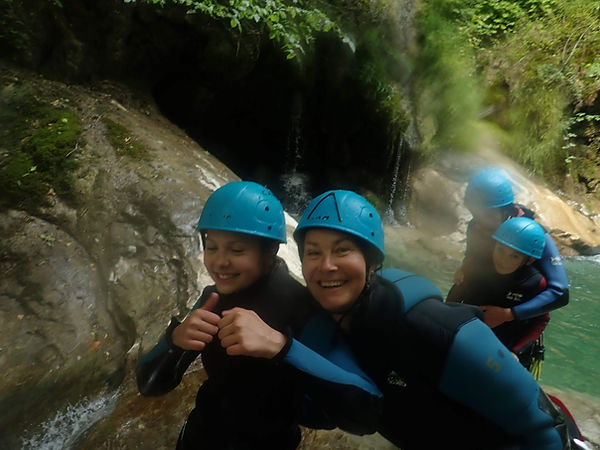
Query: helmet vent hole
[266,208]
[371,215]
[372,233]
[269,227]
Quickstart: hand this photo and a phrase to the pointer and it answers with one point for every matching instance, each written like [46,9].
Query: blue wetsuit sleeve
[481,374]
[310,362]
[337,392]
[556,293]
[162,368]
[335,396]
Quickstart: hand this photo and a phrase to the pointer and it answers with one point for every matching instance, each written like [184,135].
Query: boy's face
[234,260]
[506,259]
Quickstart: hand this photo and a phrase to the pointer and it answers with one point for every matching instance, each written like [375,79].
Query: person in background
[490,199]
[510,279]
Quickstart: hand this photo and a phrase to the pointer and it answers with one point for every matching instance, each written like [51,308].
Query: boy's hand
[495,315]
[199,327]
[243,332]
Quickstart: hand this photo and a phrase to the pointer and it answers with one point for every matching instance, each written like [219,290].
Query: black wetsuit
[246,403]
[447,381]
[484,286]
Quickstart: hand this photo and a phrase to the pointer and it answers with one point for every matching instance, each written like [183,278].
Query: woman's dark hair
[371,254]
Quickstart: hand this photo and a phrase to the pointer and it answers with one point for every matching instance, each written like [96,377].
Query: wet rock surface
[88,284]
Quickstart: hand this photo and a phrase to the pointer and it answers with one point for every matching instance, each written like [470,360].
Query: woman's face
[234,260]
[334,268]
[506,259]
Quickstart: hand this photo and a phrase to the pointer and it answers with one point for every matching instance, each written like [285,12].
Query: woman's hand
[199,327]
[495,315]
[243,332]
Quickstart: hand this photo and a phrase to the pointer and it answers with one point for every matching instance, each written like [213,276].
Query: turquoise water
[572,338]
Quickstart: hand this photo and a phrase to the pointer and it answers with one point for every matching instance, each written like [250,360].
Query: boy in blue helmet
[490,199]
[246,403]
[510,279]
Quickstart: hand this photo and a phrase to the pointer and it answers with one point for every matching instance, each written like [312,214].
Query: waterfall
[62,431]
[388,214]
[401,210]
[295,195]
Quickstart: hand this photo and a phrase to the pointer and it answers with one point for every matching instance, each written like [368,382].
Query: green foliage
[293,24]
[536,118]
[484,21]
[14,35]
[538,65]
[123,141]
[446,83]
[543,68]
[39,140]
[376,55]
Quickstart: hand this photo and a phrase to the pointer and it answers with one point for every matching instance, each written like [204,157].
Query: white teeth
[330,284]
[225,276]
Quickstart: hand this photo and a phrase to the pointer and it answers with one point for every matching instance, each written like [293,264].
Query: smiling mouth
[330,284]
[226,276]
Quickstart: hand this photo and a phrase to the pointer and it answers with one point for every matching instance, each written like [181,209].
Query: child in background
[490,199]
[508,280]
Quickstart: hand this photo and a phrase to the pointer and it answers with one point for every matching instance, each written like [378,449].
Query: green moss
[123,141]
[39,141]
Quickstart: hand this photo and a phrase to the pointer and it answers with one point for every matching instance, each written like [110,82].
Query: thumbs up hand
[199,326]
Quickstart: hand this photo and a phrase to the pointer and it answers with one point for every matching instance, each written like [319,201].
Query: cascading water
[401,210]
[295,195]
[393,216]
[64,429]
[388,214]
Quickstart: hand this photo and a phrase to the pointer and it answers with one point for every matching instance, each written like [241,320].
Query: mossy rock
[39,140]
[123,141]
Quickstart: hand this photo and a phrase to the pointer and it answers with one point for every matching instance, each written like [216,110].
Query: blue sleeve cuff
[310,362]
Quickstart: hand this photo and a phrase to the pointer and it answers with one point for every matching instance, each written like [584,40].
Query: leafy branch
[292,24]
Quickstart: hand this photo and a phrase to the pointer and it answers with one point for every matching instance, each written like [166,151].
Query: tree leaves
[292,24]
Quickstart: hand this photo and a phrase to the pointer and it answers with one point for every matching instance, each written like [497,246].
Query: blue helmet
[489,188]
[523,234]
[344,211]
[244,207]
